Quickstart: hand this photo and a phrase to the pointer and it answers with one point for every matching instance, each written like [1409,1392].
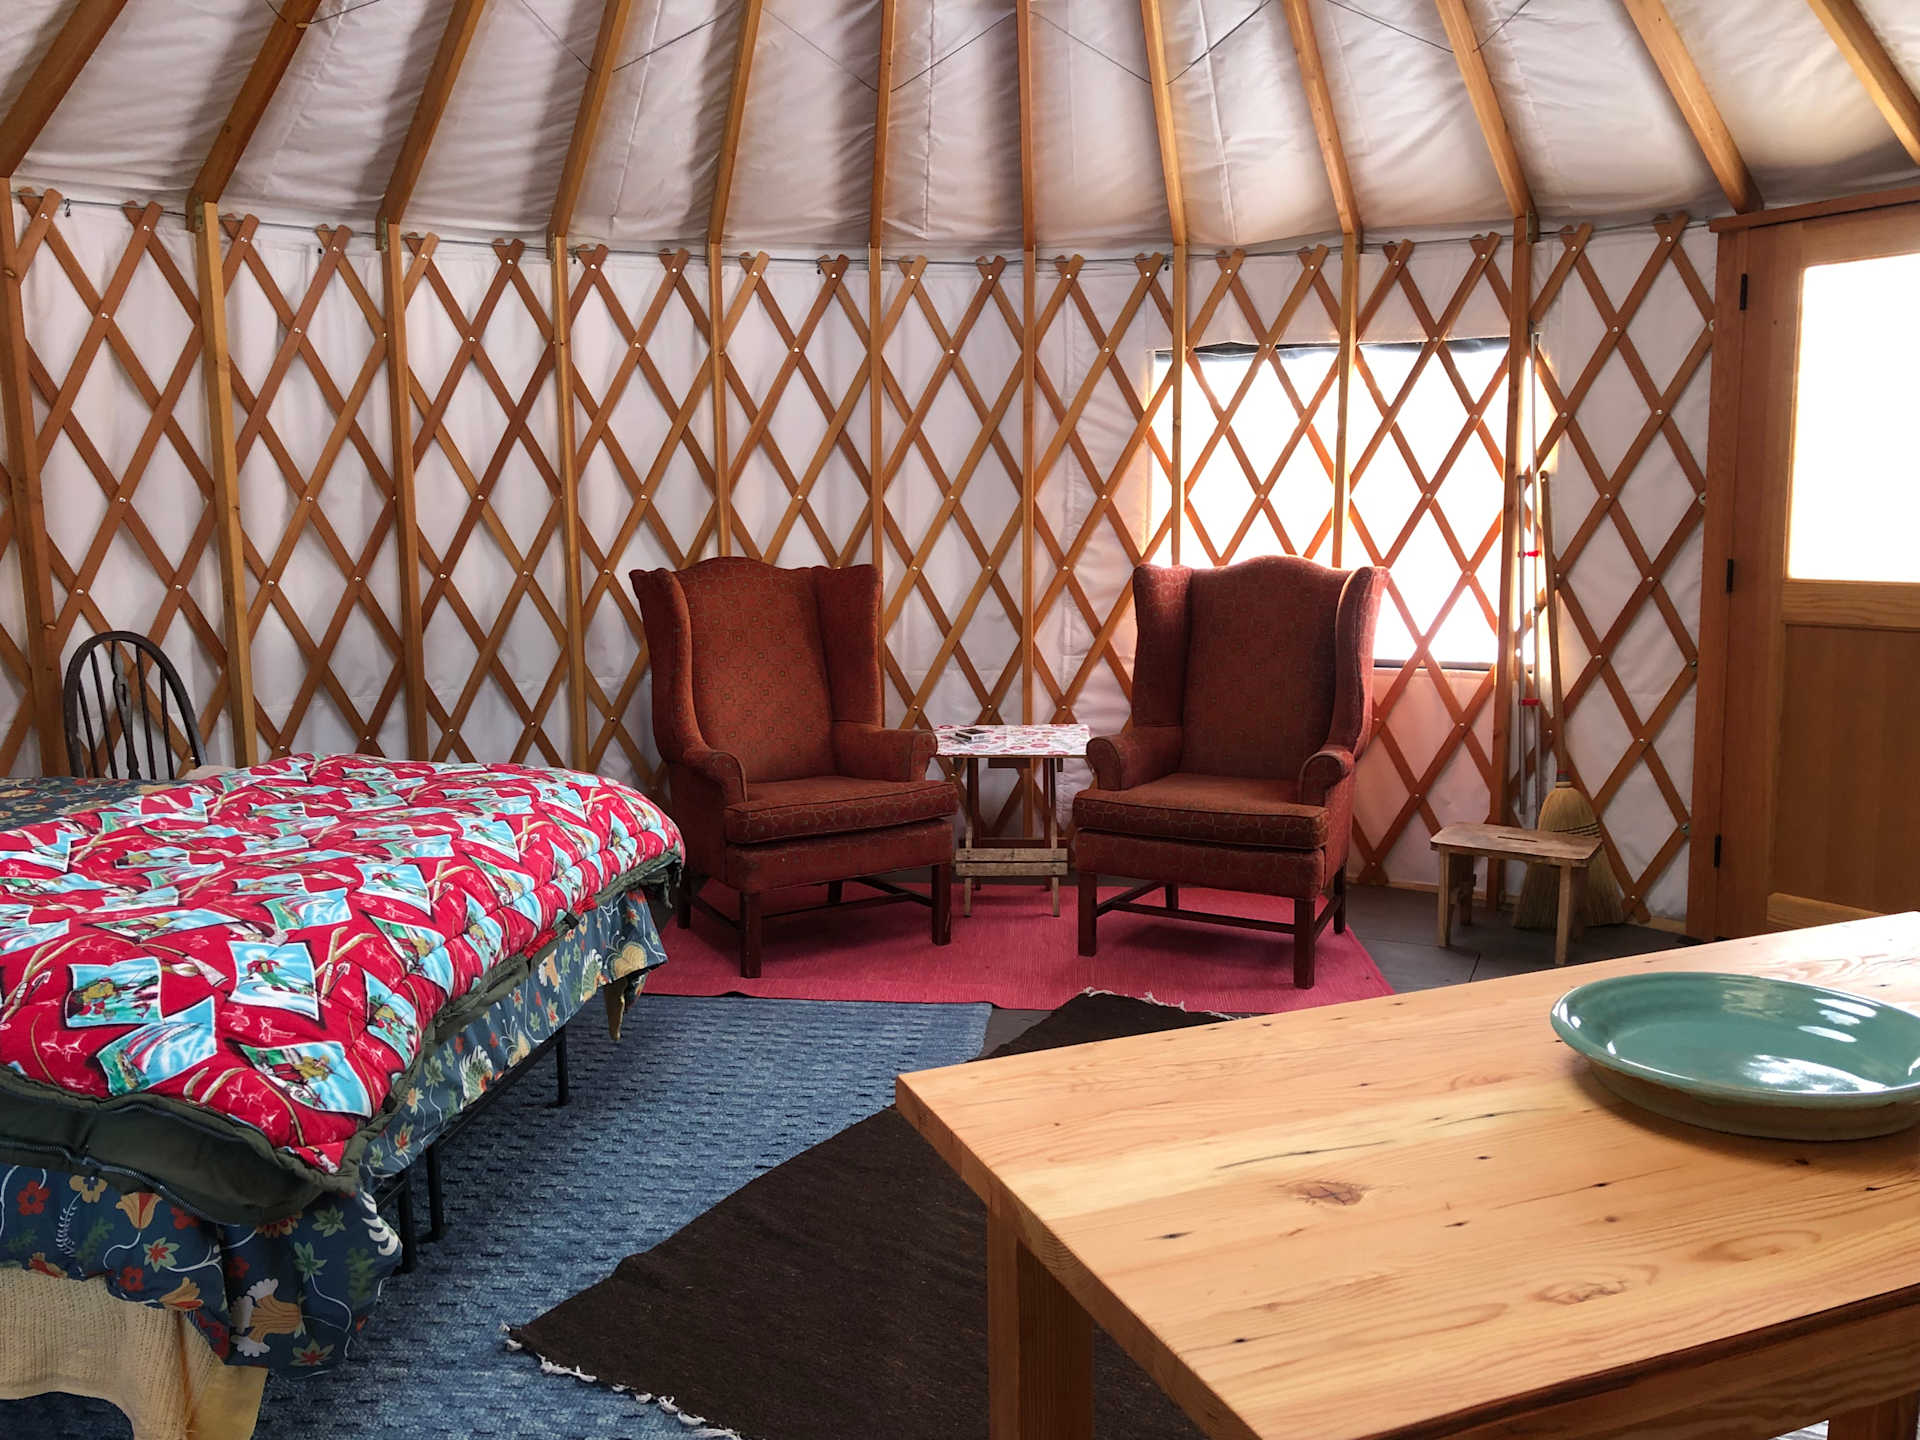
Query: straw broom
[1564,811]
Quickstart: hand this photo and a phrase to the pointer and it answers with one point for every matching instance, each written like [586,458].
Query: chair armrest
[720,770]
[1133,757]
[878,752]
[1325,771]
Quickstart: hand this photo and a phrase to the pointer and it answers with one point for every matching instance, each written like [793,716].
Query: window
[1272,450]
[1855,504]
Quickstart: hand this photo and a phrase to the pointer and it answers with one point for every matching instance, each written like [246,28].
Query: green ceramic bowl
[1749,1055]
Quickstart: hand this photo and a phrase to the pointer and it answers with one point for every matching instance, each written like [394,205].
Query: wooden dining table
[1420,1217]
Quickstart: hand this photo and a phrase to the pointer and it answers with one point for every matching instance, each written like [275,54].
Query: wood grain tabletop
[1420,1216]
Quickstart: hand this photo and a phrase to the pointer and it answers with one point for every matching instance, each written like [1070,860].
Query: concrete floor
[1396,926]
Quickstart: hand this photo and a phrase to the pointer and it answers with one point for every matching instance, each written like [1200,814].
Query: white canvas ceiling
[1595,127]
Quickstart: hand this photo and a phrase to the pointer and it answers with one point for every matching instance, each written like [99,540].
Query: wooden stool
[1459,845]
[1046,747]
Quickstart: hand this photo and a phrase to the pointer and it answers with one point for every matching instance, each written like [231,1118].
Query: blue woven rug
[698,1098]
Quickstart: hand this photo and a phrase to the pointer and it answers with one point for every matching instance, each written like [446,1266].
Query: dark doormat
[843,1292]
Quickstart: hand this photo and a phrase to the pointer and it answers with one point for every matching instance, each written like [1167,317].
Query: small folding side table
[1010,747]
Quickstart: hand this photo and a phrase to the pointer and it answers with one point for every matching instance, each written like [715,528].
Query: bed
[193,1255]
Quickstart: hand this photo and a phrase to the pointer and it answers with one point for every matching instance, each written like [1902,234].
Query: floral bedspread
[274,947]
[291,1294]
[29,799]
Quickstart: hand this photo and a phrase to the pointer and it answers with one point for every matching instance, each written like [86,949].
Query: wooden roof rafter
[1023,50]
[1152,20]
[47,86]
[269,68]
[1326,128]
[876,282]
[593,106]
[883,118]
[736,113]
[1153,23]
[1486,104]
[1029,368]
[462,21]
[1690,93]
[1867,54]
[721,317]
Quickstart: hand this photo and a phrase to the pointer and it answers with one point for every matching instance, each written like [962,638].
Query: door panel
[1847,818]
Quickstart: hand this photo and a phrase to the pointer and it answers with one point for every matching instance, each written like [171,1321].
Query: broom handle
[1553,621]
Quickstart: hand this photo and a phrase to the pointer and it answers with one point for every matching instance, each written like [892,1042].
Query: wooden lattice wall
[475,491]
[1625,321]
[118,444]
[317,501]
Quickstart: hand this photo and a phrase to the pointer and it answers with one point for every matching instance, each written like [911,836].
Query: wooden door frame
[1745,531]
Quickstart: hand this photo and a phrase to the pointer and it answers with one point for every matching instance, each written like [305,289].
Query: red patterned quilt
[275,947]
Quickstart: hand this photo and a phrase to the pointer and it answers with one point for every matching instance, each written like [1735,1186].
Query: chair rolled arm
[1324,772]
[1133,757]
[720,770]
[879,752]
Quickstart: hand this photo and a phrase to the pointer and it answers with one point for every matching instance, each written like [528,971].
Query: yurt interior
[959,719]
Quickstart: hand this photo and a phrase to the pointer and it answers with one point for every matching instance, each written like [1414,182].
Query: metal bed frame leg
[436,1200]
[409,1248]
[560,1065]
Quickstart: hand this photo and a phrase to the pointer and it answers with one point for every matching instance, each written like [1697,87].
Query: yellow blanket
[76,1337]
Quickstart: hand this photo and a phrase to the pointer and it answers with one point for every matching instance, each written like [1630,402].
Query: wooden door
[1819,770]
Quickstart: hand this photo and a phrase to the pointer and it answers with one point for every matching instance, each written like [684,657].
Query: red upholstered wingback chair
[1252,702]
[767,709]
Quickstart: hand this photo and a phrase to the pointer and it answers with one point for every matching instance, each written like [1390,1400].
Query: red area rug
[1013,952]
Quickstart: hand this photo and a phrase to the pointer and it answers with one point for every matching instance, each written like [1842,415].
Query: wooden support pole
[717,386]
[1513,475]
[23,473]
[406,521]
[216,369]
[1689,92]
[290,21]
[1029,473]
[876,292]
[1343,394]
[1878,72]
[1175,457]
[1486,104]
[876,416]
[560,270]
[73,45]
[462,20]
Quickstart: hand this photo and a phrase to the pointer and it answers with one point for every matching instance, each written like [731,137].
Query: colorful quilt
[215,990]
[291,1294]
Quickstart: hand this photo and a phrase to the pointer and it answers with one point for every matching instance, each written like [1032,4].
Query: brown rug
[842,1293]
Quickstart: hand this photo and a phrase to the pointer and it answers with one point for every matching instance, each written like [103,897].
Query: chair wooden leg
[943,904]
[689,885]
[834,891]
[750,937]
[1340,902]
[1089,916]
[1303,937]
[1173,897]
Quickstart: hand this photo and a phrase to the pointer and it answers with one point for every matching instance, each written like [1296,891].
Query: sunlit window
[1856,467]
[1270,491]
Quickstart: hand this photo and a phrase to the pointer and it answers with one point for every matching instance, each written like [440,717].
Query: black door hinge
[1729,576]
[1716,852]
[1743,292]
